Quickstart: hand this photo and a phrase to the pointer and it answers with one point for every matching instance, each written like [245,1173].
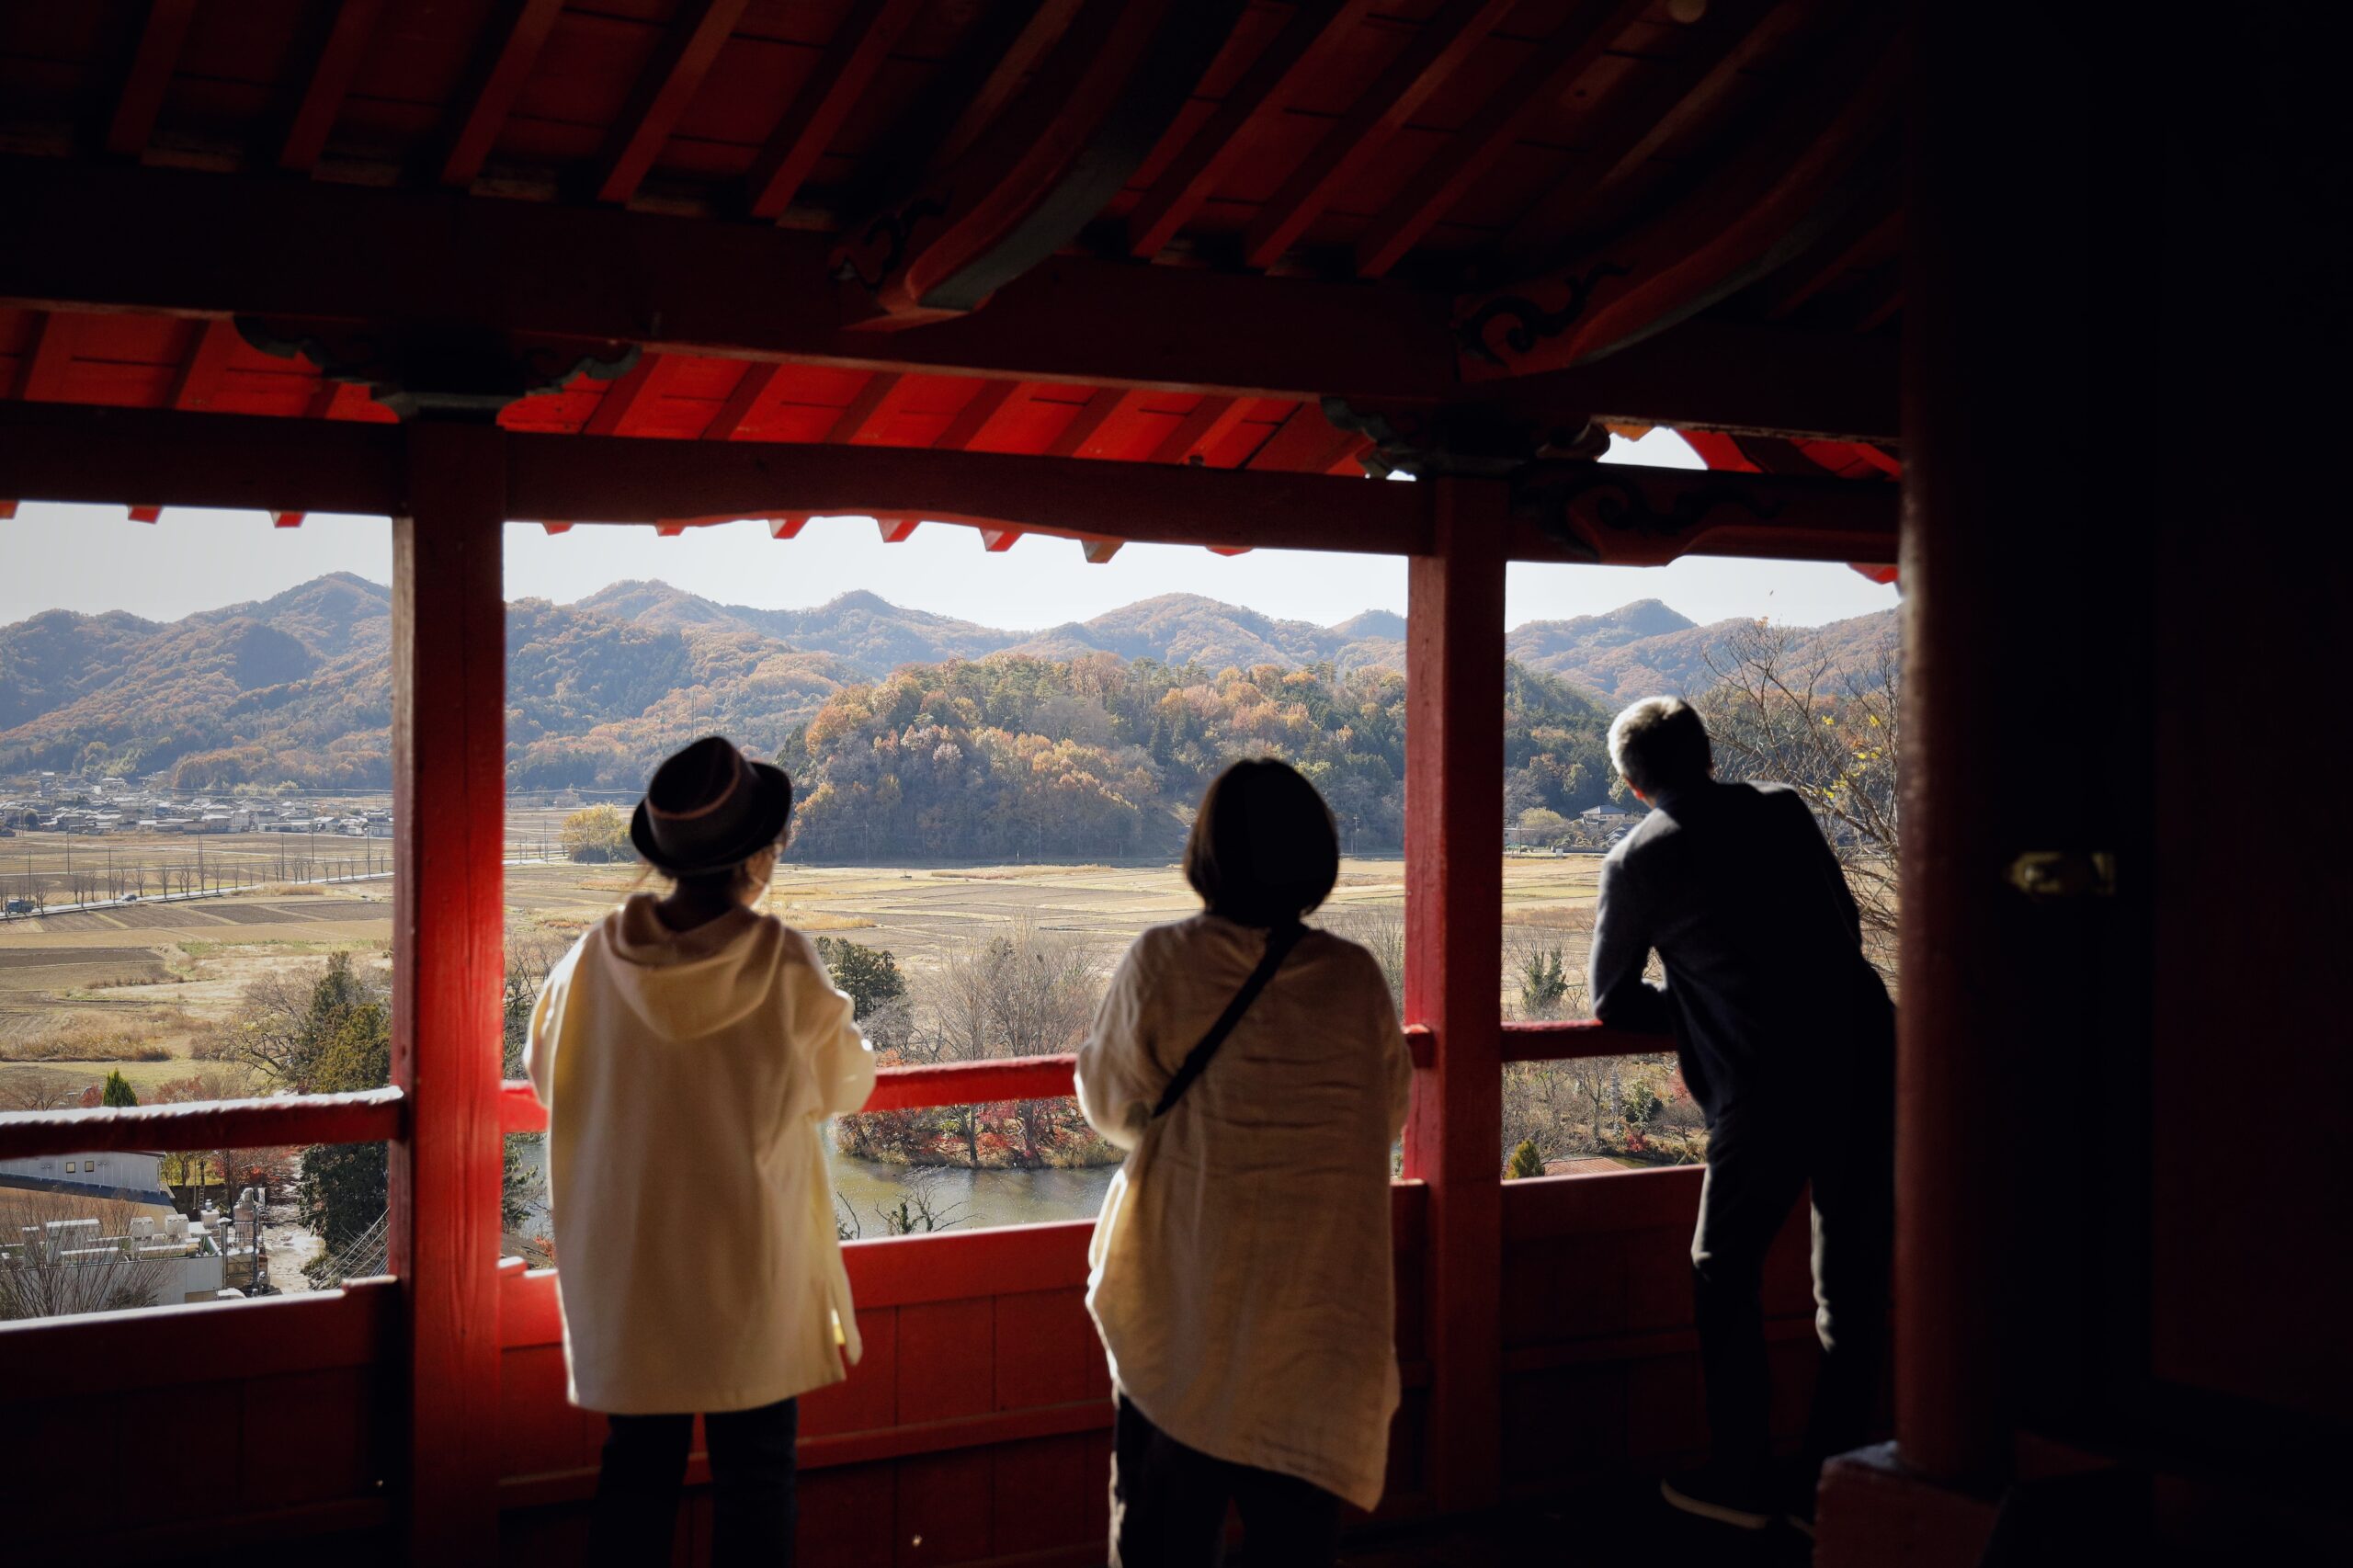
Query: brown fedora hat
[709,807]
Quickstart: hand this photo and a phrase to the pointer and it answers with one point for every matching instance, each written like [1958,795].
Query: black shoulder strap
[1280,942]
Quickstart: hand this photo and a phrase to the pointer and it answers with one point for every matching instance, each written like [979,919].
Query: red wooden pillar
[449,770]
[1454,788]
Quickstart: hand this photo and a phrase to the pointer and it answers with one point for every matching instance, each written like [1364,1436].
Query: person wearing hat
[688,1050]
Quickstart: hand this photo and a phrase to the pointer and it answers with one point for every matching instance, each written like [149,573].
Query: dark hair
[1660,744]
[1264,851]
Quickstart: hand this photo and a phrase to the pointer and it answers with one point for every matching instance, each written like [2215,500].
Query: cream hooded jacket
[1242,1276]
[688,1077]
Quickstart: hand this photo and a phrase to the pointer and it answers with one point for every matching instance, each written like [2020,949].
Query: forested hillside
[908,733]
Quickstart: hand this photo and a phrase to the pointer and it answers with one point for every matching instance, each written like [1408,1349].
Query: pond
[972,1199]
[964,1200]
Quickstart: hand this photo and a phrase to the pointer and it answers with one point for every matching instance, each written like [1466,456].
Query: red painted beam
[897,531]
[1571,1042]
[1099,551]
[449,805]
[1212,419]
[698,30]
[624,404]
[1358,137]
[1257,98]
[146,514]
[975,418]
[8,510]
[1307,442]
[42,380]
[1567,53]
[150,76]
[998,540]
[864,39]
[556,527]
[1454,765]
[100,1356]
[331,77]
[1093,416]
[788,527]
[751,388]
[868,408]
[513,50]
[208,362]
[369,1117]
[287,520]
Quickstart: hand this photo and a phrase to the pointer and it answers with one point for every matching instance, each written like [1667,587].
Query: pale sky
[92,558]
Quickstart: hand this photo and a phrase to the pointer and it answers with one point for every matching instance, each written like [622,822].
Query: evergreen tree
[1543,982]
[347,1186]
[869,977]
[118,1091]
[1525,1162]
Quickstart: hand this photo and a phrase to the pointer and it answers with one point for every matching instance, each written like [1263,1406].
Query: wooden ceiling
[1141,229]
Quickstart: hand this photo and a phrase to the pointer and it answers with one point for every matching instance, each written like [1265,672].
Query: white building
[94,1233]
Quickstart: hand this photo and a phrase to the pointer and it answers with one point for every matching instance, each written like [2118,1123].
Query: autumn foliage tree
[596,834]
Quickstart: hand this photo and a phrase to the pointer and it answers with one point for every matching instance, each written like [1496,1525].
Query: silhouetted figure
[1242,1271]
[1786,1041]
[688,1050]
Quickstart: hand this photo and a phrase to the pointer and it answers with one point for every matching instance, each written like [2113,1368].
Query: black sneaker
[1711,1495]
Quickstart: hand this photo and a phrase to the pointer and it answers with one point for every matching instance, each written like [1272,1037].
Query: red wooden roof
[1466,150]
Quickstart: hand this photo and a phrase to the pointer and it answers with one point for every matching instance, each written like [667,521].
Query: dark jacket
[1768,995]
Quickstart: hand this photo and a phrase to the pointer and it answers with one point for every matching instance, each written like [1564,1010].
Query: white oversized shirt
[688,1077]
[1241,1276]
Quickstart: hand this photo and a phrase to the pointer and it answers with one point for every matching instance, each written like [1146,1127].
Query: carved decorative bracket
[427,371]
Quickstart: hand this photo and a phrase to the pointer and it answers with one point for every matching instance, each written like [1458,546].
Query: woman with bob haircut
[688,1050]
[1241,1271]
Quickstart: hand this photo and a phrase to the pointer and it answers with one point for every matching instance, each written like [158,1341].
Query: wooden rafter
[331,71]
[1043,27]
[1359,136]
[668,83]
[867,411]
[143,86]
[1715,52]
[1869,235]
[1793,177]
[1092,111]
[1092,416]
[42,379]
[750,388]
[510,49]
[1211,152]
[1571,48]
[860,44]
[1211,420]
[1306,443]
[974,420]
[625,403]
[208,361]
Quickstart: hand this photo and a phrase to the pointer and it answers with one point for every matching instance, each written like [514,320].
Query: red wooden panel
[1666,1417]
[849,1516]
[1047,1352]
[68,1454]
[957,1265]
[182,1420]
[364,1116]
[1563,1423]
[538,1428]
[942,1509]
[1047,1494]
[311,1438]
[111,1352]
[867,1400]
[946,1362]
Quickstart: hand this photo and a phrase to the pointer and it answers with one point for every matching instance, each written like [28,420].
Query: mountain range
[297,686]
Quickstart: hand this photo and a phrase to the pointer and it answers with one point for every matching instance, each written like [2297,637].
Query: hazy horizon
[92,560]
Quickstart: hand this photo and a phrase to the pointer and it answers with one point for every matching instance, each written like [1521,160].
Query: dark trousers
[1759,1163]
[753,1507]
[1168,1505]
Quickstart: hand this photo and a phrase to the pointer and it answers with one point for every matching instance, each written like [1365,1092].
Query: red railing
[895,1088]
[381,1115]
[370,1116]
